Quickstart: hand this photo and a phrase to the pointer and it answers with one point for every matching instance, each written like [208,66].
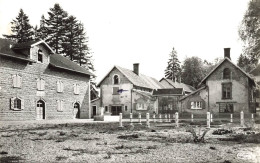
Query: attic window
[226,73]
[116,79]
[40,54]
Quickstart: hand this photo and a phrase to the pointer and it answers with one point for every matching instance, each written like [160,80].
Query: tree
[56,27]
[21,29]
[193,71]
[173,69]
[249,33]
[42,32]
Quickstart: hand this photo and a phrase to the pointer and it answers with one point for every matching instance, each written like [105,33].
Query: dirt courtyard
[106,142]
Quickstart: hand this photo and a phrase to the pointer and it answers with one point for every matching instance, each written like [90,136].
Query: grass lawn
[106,142]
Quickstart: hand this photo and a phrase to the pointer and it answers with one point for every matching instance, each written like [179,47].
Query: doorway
[40,110]
[94,111]
[76,110]
[115,110]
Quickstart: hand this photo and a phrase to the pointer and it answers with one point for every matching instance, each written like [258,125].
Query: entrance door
[76,110]
[115,110]
[40,110]
[94,111]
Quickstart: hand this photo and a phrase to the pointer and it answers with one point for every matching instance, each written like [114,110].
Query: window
[116,79]
[226,73]
[17,81]
[40,54]
[40,84]
[115,91]
[125,108]
[60,105]
[106,109]
[76,89]
[226,108]
[17,103]
[141,106]
[60,86]
[226,90]
[196,105]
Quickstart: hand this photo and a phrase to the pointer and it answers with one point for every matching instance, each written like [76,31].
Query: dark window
[125,108]
[226,90]
[17,103]
[115,90]
[226,108]
[116,79]
[115,110]
[40,56]
[226,73]
[106,109]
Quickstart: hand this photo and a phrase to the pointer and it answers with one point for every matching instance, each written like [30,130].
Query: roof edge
[193,93]
[23,59]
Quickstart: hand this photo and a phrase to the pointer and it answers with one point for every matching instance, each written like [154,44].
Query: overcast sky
[123,32]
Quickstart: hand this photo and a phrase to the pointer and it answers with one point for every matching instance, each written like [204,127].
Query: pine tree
[21,29]
[245,63]
[173,69]
[41,33]
[249,32]
[56,27]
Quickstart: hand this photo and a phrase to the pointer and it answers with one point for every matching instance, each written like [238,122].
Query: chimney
[136,68]
[227,53]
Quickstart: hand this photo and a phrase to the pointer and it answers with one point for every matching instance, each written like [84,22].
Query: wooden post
[211,117]
[208,119]
[131,119]
[160,117]
[242,122]
[191,117]
[169,117]
[139,117]
[177,119]
[120,120]
[165,117]
[147,120]
[154,118]
[231,118]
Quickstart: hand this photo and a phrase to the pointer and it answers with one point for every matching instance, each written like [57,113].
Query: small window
[60,105]
[17,81]
[115,90]
[106,109]
[40,84]
[116,79]
[196,105]
[17,103]
[125,108]
[40,56]
[76,89]
[226,73]
[60,86]
[226,90]
[226,108]
[141,106]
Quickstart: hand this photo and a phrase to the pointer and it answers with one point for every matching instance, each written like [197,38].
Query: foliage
[173,69]
[21,29]
[42,32]
[193,71]
[249,33]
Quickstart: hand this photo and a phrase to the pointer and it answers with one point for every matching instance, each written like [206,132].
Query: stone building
[167,83]
[226,89]
[127,91]
[35,83]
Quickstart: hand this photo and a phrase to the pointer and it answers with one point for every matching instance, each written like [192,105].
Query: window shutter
[135,105]
[61,86]
[75,89]
[58,105]
[58,86]
[38,84]
[12,103]
[42,84]
[61,105]
[203,104]
[14,80]
[18,81]
[22,104]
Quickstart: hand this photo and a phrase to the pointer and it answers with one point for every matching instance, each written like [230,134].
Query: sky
[123,32]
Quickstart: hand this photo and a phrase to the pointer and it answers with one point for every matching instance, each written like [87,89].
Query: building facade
[38,84]
[256,75]
[226,89]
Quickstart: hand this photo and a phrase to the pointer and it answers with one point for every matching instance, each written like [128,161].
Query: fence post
[177,119]
[139,117]
[252,117]
[147,120]
[120,120]
[165,117]
[160,117]
[191,117]
[211,117]
[242,118]
[169,117]
[131,119]
[231,118]
[208,119]
[153,118]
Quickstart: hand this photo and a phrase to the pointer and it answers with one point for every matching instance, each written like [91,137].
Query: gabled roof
[58,61]
[30,44]
[186,87]
[220,63]
[137,80]
[256,71]
[192,93]
[168,91]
